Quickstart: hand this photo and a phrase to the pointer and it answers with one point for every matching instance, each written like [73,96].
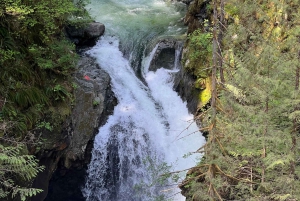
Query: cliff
[67,150]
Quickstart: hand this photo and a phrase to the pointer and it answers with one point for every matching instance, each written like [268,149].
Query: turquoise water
[136,23]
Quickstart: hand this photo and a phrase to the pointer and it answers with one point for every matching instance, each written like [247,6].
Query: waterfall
[150,130]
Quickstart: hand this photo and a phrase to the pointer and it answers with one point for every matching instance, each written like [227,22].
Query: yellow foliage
[15,9]
[236,19]
[238,93]
[205,94]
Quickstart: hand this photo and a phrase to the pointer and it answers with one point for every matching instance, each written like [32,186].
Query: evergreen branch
[174,172]
[219,108]
[232,177]
[217,193]
[219,21]
[201,147]
[219,102]
[202,114]
[193,178]
[247,171]
[221,146]
[186,129]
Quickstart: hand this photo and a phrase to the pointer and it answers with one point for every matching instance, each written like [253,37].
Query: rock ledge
[86,36]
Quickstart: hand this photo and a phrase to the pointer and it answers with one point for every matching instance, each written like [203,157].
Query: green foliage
[80,17]
[26,97]
[6,55]
[57,56]
[14,164]
[60,92]
[96,103]
[46,125]
[201,43]
[160,176]
[197,56]
[199,52]
[36,61]
[252,151]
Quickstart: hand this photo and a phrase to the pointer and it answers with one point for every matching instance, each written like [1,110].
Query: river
[151,129]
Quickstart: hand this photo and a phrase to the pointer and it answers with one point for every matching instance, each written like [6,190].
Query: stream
[150,130]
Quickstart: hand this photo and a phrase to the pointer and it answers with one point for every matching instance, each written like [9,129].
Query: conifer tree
[252,144]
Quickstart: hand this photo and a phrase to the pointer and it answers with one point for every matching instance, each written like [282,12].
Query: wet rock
[198,12]
[187,2]
[165,55]
[184,86]
[86,36]
[67,156]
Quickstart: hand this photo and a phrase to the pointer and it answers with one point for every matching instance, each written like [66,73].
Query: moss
[198,53]
[198,48]
[59,113]
[195,7]
[205,94]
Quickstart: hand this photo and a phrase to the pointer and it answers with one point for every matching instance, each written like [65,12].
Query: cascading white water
[144,137]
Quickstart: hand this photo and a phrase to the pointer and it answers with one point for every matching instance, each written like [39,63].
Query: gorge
[101,109]
[150,130]
[151,126]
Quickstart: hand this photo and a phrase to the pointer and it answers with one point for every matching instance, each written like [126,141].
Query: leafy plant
[96,103]
[36,65]
[15,164]
[45,125]
[199,53]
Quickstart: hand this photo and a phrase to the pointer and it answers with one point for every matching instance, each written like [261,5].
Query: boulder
[86,36]
[165,54]
[93,85]
[94,30]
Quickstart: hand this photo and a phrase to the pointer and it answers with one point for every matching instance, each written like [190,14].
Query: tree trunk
[220,38]
[214,69]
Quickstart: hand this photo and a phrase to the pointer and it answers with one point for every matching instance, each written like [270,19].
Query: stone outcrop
[92,99]
[69,151]
[184,86]
[198,12]
[85,36]
[165,56]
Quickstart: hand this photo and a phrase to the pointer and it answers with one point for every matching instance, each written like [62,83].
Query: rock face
[94,101]
[165,56]
[198,12]
[184,86]
[86,36]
